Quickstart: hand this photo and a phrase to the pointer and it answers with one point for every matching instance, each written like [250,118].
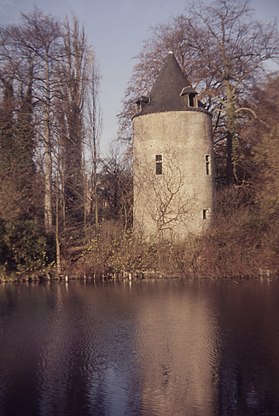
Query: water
[140,348]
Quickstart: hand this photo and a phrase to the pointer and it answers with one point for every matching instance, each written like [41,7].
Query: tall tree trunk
[48,160]
[57,235]
[231,156]
[95,193]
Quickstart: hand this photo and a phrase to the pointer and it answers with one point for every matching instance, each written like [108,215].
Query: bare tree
[94,127]
[44,82]
[73,76]
[116,187]
[240,47]
[31,51]
[43,35]
[222,52]
[166,204]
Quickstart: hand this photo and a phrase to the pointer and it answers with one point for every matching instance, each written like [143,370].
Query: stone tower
[173,159]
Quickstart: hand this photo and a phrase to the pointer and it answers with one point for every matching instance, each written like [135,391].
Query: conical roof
[166,91]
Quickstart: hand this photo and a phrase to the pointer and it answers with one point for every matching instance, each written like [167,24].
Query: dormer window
[192,100]
[141,102]
[190,96]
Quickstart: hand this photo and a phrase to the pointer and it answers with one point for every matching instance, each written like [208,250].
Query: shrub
[23,246]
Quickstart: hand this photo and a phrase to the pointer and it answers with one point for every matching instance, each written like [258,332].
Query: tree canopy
[224,53]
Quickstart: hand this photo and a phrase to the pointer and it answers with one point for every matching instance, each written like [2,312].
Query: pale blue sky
[116,29]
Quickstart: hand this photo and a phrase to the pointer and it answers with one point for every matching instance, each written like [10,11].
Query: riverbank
[230,250]
[263,275]
[242,243]
[126,258]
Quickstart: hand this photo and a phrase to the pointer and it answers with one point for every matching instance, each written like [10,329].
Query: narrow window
[207,164]
[191,100]
[159,164]
[204,214]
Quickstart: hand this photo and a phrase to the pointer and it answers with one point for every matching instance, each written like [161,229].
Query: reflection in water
[249,366]
[139,348]
[177,361]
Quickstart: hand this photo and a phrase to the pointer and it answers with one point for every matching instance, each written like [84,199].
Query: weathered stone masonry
[174,180]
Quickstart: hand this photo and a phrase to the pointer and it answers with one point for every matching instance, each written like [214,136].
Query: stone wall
[181,199]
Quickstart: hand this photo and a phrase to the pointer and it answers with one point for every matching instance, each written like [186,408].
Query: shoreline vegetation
[242,243]
[239,246]
[52,277]
[136,275]
[146,277]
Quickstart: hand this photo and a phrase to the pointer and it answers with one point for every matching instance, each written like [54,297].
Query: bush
[23,246]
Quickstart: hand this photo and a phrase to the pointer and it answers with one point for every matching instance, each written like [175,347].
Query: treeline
[55,189]
[64,207]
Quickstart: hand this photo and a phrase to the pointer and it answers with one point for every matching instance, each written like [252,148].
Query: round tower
[174,183]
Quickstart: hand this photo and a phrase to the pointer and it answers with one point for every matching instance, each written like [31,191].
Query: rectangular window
[191,100]
[159,164]
[204,214]
[207,164]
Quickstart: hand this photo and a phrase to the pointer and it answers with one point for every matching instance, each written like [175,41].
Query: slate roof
[165,93]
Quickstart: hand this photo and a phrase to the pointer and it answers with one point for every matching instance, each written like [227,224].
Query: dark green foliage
[24,148]
[23,246]
[7,126]
[17,147]
[3,247]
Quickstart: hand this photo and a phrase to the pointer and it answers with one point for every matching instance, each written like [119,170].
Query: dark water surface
[140,348]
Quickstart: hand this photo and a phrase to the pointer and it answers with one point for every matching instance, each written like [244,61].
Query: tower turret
[173,159]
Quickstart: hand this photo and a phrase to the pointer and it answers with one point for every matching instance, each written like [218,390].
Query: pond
[167,347]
